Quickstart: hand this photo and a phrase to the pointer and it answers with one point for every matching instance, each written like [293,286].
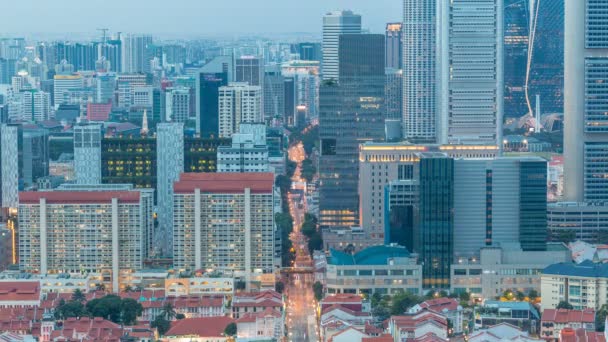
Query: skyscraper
[238,102]
[249,69]
[274,92]
[351,112]
[87,153]
[336,24]
[207,102]
[394,45]
[9,165]
[177,104]
[470,62]
[585,122]
[419,70]
[136,53]
[170,163]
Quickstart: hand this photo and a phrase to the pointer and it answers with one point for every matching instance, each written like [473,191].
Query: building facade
[238,102]
[336,24]
[207,101]
[87,153]
[177,104]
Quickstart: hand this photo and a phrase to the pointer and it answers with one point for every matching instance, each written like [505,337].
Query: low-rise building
[19,294]
[268,324]
[583,285]
[378,269]
[500,269]
[206,329]
[554,320]
[520,314]
[449,307]
[99,329]
[243,303]
[422,326]
[501,332]
[581,335]
[570,221]
[199,286]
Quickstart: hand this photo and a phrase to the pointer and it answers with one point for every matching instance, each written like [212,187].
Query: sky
[187,17]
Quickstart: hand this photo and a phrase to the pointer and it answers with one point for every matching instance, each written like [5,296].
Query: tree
[520,296]
[230,329]
[128,288]
[315,243]
[381,313]
[130,309]
[279,287]
[317,287]
[401,302]
[564,305]
[100,287]
[70,309]
[600,318]
[168,312]
[533,294]
[162,324]
[240,285]
[375,299]
[464,296]
[78,296]
[180,316]
[108,307]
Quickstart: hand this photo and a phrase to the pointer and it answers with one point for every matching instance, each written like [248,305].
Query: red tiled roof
[19,290]
[381,338]
[96,329]
[344,309]
[79,197]
[581,335]
[261,182]
[429,337]
[568,316]
[342,298]
[202,327]
[439,304]
[250,317]
[410,322]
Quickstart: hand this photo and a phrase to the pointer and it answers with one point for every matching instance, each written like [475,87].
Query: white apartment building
[177,104]
[583,285]
[64,83]
[36,105]
[244,155]
[224,222]
[238,102]
[126,84]
[98,231]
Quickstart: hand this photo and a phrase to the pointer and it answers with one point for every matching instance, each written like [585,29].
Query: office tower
[274,92]
[174,54]
[471,72]
[129,160]
[289,88]
[136,53]
[105,86]
[351,112]
[111,51]
[220,64]
[394,45]
[87,153]
[125,84]
[336,24]
[303,92]
[238,102]
[435,232]
[170,152]
[177,104]
[93,230]
[36,105]
[419,70]
[308,51]
[394,103]
[142,97]
[585,132]
[204,236]
[207,102]
[249,69]
[7,70]
[248,152]
[62,84]
[33,155]
[9,165]
[201,153]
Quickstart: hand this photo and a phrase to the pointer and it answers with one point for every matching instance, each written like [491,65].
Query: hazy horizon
[186,17]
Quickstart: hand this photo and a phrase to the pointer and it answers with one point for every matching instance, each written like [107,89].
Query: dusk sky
[192,17]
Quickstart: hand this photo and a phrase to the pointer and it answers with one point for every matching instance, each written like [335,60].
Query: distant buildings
[64,83]
[336,24]
[202,239]
[424,325]
[177,104]
[87,153]
[248,152]
[207,102]
[238,102]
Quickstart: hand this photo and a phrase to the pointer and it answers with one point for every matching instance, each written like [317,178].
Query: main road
[301,319]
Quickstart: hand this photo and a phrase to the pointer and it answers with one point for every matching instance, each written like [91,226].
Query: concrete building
[207,101]
[244,155]
[170,164]
[424,325]
[572,221]
[394,45]
[386,270]
[87,153]
[470,71]
[105,87]
[515,314]
[238,102]
[136,53]
[554,320]
[249,69]
[36,105]
[305,86]
[335,24]
[585,129]
[583,285]
[100,231]
[126,84]
[448,307]
[64,83]
[177,104]
[9,165]
[224,222]
[499,269]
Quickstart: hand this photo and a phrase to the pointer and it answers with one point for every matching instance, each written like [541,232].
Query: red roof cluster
[580,335]
[19,291]
[261,182]
[440,304]
[251,317]
[202,327]
[568,316]
[97,329]
[411,322]
[78,197]
[268,298]
[381,338]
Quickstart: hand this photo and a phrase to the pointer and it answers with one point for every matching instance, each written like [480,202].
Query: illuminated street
[301,322]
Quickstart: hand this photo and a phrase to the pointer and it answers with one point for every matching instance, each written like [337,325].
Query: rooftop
[586,268]
[568,316]
[259,182]
[202,327]
[19,291]
[375,255]
[78,197]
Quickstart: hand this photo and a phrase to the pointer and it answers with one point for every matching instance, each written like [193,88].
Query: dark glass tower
[351,112]
[436,218]
[533,205]
[207,110]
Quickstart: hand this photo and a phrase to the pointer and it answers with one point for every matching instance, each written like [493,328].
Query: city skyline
[189,18]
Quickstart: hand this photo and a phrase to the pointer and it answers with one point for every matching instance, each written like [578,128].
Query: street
[301,319]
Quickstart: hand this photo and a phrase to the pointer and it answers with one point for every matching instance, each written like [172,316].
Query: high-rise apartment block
[336,24]
[87,153]
[9,165]
[394,45]
[177,104]
[64,83]
[248,152]
[238,102]
[100,231]
[136,53]
[225,222]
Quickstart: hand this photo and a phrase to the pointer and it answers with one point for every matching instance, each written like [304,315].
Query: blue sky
[194,17]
